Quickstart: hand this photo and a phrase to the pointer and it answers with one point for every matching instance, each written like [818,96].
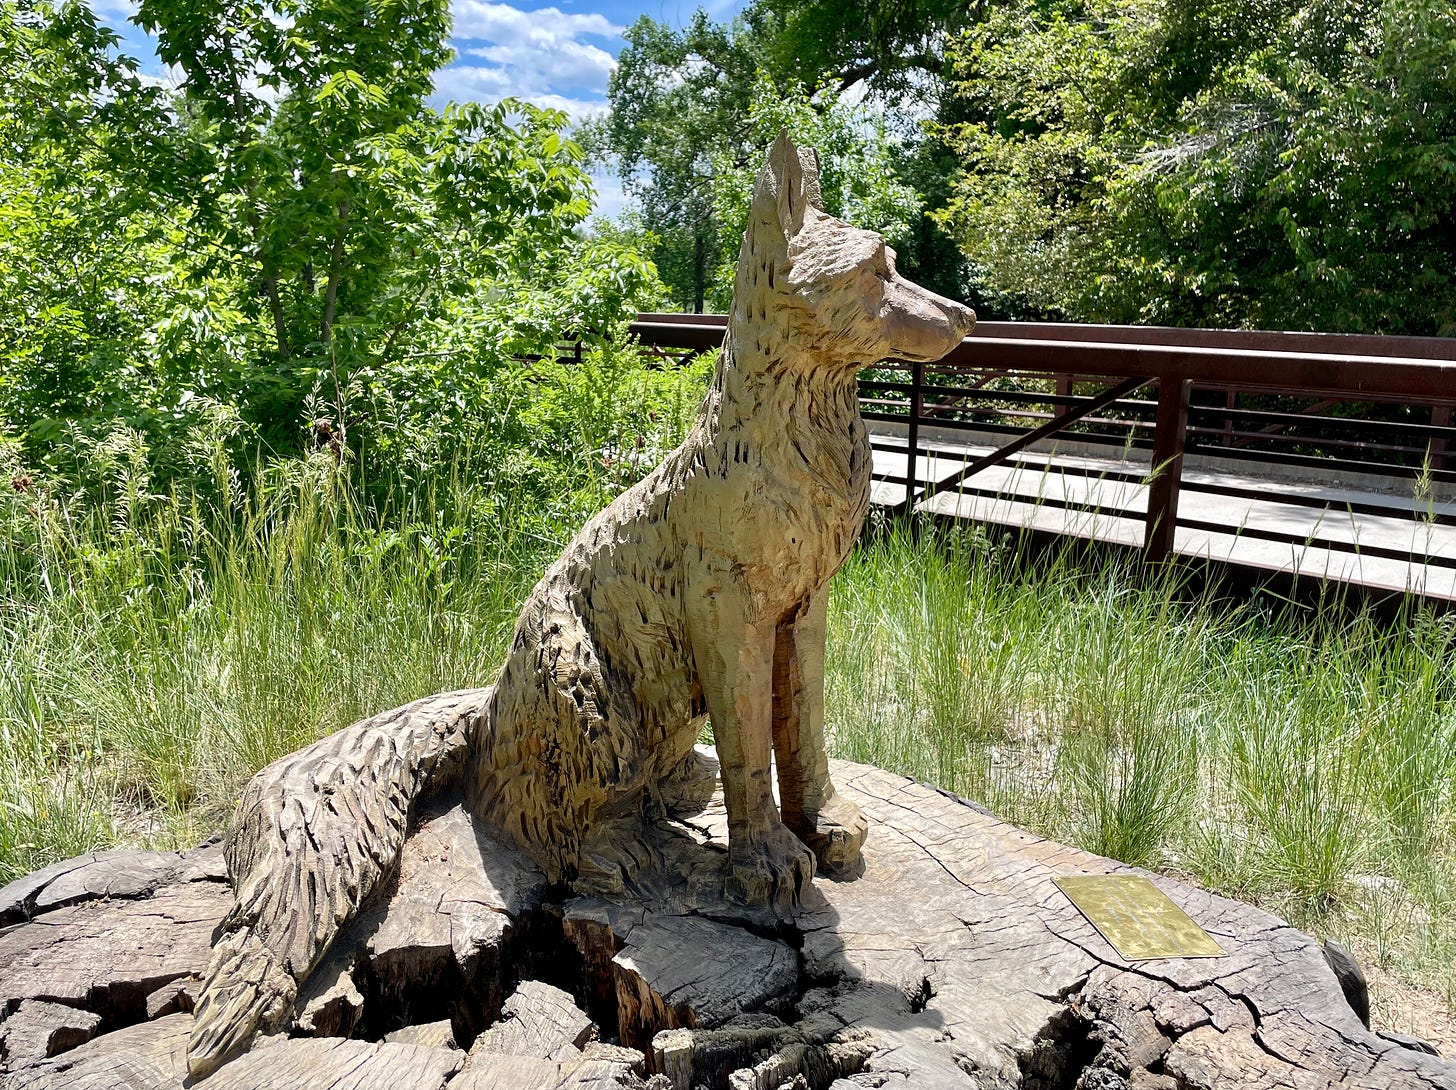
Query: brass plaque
[1137,918]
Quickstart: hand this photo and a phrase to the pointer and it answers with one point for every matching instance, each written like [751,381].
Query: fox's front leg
[828,823]
[733,653]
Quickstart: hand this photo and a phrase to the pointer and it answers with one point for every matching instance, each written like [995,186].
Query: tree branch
[275,305]
[336,273]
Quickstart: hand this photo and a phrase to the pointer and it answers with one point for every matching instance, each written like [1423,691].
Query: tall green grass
[159,645]
[157,649]
[152,667]
[1304,759]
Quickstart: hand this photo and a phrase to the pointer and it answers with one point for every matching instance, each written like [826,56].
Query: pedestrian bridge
[1321,455]
[1333,528]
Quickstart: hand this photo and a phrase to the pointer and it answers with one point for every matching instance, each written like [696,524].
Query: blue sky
[558,55]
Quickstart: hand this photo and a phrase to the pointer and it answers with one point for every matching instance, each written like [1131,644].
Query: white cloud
[505,24]
[541,56]
[112,13]
[463,83]
[610,197]
[572,63]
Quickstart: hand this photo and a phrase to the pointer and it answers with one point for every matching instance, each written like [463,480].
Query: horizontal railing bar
[1312,440]
[1420,431]
[1357,548]
[1047,429]
[1318,373]
[1286,436]
[1366,344]
[1255,416]
[1314,461]
[1283,458]
[1278,536]
[1357,373]
[1046,373]
[1237,340]
[1018,397]
[1004,429]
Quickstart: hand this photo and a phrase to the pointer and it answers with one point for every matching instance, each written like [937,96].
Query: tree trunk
[951,961]
[275,307]
[336,274]
[700,269]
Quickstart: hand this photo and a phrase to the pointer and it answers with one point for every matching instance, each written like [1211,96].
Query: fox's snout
[920,325]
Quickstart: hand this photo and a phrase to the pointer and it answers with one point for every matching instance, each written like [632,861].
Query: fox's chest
[829,478]
[788,506]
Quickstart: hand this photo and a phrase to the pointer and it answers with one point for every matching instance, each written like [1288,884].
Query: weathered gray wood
[38,1030]
[449,918]
[433,1034]
[116,874]
[453,902]
[152,1056]
[538,1020]
[332,1063]
[147,1056]
[109,956]
[331,1003]
[1351,977]
[173,997]
[678,970]
[952,961]
[589,1071]
[701,589]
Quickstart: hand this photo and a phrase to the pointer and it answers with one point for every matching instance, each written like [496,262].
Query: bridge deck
[1380,540]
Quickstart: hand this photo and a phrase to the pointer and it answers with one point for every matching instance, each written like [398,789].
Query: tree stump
[951,960]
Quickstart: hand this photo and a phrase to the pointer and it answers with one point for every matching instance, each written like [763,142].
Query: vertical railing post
[1169,438]
[912,432]
[1440,418]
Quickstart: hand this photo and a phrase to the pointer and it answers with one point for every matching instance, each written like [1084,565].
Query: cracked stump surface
[951,961]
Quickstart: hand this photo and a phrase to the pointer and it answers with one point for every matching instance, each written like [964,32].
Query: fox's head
[830,289]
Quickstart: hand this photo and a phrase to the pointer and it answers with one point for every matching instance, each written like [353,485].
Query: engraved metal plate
[1137,918]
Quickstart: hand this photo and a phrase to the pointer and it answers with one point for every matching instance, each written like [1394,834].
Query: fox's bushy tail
[315,834]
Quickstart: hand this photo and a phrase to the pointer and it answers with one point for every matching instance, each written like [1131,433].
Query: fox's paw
[835,833]
[247,989]
[775,868]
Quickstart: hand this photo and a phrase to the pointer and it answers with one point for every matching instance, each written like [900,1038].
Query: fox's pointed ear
[788,185]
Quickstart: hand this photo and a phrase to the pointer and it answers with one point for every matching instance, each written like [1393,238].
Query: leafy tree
[857,174]
[358,217]
[687,110]
[87,282]
[679,98]
[1280,163]
[896,47]
[694,110]
[293,228]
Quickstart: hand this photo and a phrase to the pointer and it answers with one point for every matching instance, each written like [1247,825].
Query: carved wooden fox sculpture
[701,590]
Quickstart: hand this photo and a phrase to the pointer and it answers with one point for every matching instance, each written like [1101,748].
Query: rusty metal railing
[1290,402]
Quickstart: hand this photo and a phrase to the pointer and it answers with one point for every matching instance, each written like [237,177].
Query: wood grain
[700,590]
[952,961]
